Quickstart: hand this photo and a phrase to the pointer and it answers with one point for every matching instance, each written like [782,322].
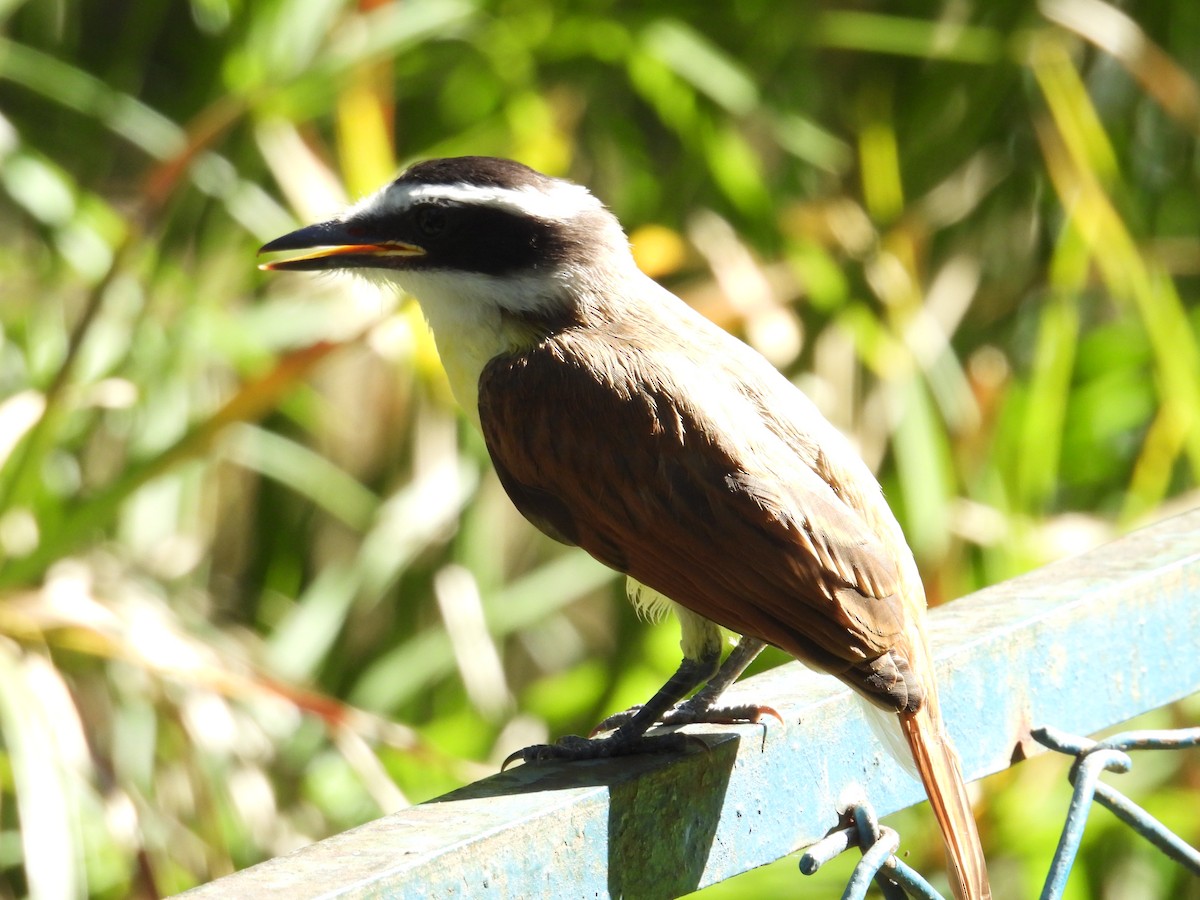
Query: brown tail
[938,766]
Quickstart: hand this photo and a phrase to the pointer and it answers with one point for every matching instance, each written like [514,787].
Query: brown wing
[668,471]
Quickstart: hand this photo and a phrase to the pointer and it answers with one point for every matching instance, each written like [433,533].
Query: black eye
[431,221]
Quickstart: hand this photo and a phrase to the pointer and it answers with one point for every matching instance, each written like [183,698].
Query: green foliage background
[257,581]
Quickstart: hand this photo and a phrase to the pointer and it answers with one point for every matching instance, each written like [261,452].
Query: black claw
[508,759]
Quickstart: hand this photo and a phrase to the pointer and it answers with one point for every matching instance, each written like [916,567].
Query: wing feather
[678,475]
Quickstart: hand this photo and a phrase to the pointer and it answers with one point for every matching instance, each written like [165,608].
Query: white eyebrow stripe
[564,202]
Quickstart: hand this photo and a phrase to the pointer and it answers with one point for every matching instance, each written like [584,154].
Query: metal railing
[1079,645]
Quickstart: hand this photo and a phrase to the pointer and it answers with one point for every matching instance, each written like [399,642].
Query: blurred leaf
[303,470]
[40,733]
[874,32]
[82,92]
[697,61]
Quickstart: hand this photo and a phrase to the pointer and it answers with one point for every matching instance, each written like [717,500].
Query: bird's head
[475,236]
[498,255]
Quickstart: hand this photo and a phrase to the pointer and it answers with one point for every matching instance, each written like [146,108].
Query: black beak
[336,245]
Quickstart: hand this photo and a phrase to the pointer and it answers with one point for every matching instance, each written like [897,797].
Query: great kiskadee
[621,421]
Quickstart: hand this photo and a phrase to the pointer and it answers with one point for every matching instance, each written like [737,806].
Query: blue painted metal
[1155,739]
[895,879]
[871,836]
[870,864]
[1087,776]
[914,882]
[1092,759]
[1085,643]
[1148,827]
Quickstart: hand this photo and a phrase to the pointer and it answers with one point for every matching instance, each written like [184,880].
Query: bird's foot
[573,747]
[697,712]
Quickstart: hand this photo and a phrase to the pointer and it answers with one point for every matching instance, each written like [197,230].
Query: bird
[622,421]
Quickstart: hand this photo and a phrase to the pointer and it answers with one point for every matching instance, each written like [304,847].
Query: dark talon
[508,759]
[533,753]
[665,708]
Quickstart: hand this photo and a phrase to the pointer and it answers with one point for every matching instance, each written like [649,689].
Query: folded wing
[669,471]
